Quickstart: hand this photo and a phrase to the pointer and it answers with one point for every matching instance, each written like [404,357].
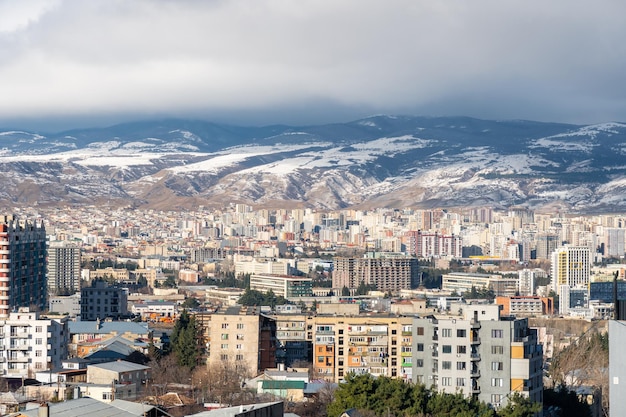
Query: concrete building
[571,267]
[282,285]
[478,354]
[617,367]
[385,273]
[377,344]
[527,279]
[63,268]
[22,264]
[461,282]
[291,337]
[31,344]
[119,372]
[433,244]
[100,301]
[546,244]
[526,305]
[240,336]
[69,304]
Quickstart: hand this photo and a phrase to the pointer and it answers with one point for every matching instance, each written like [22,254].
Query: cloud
[557,60]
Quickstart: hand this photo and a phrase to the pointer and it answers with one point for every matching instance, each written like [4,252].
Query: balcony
[475,373]
[475,356]
[475,389]
[475,341]
[475,324]
[22,359]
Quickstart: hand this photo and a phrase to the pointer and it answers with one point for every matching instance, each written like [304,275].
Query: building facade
[385,273]
[31,344]
[282,285]
[100,301]
[63,268]
[571,268]
[22,264]
[479,354]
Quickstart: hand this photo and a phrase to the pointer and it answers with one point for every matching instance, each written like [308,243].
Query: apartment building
[478,354]
[31,344]
[282,285]
[292,344]
[100,301]
[433,244]
[526,305]
[63,267]
[571,268]
[461,282]
[22,264]
[376,344]
[385,273]
[241,336]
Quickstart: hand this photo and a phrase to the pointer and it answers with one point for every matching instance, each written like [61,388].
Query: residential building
[87,332]
[570,268]
[527,280]
[241,336]
[377,344]
[100,301]
[478,354]
[292,344]
[66,304]
[63,268]
[383,272]
[119,372]
[31,344]
[434,244]
[526,305]
[461,282]
[282,285]
[546,244]
[22,264]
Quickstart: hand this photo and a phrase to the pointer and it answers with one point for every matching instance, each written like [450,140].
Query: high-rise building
[22,264]
[546,244]
[63,268]
[101,301]
[570,268]
[385,273]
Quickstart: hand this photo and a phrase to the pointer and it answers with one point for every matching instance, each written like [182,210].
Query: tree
[191,303]
[185,341]
[345,291]
[519,406]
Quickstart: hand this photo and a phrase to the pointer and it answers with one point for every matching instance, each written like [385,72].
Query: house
[81,407]
[119,372]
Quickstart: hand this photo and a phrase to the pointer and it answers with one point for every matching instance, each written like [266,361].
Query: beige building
[241,336]
[461,282]
[116,274]
[122,372]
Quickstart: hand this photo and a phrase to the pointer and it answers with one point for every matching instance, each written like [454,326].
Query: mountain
[380,161]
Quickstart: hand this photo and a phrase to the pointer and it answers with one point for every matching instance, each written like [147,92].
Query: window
[38,341]
[420,347]
[446,381]
[446,332]
[224,336]
[107,395]
[446,349]
[461,349]
[224,325]
[224,345]
[497,350]
[239,357]
[497,366]
[446,365]
[420,331]
[497,333]
[38,353]
[224,357]
[38,365]
[239,337]
[238,347]
[239,326]
[496,382]
[38,329]
[460,382]
[461,333]
[460,366]
[419,363]
[496,398]
[320,359]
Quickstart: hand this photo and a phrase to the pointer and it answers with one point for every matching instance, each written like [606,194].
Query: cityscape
[349,208]
[481,303]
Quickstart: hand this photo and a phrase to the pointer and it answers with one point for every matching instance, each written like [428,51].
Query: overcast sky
[72,63]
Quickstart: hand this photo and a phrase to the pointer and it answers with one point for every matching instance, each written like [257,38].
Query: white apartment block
[30,344]
[571,267]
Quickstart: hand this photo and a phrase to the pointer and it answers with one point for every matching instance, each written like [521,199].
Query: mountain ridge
[405,161]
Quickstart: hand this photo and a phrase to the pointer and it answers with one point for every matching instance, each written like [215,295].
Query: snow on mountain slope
[382,160]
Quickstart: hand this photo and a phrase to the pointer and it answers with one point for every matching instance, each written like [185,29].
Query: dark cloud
[311,61]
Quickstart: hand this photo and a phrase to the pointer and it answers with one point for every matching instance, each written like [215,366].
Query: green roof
[283,385]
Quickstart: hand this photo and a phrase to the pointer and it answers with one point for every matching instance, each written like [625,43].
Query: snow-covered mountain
[390,161]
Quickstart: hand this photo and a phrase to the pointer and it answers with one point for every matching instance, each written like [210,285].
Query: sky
[81,63]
